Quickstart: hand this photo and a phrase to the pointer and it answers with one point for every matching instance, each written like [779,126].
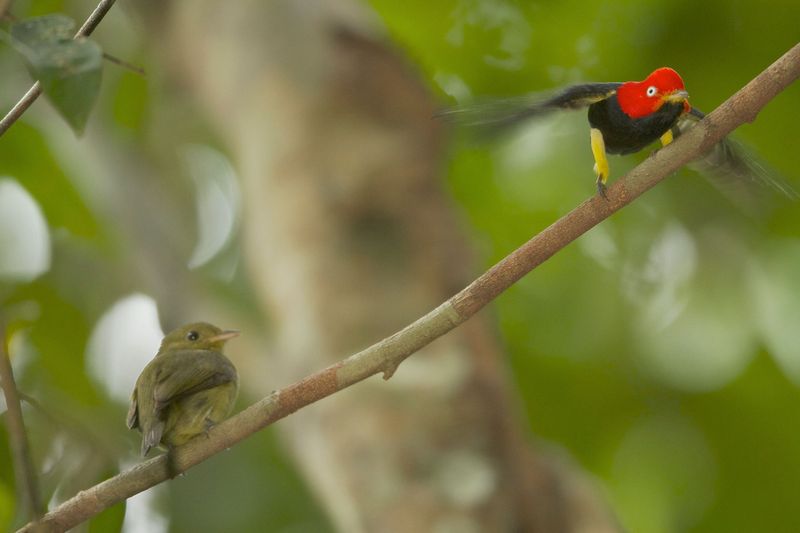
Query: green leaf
[69,70]
[70,76]
[40,31]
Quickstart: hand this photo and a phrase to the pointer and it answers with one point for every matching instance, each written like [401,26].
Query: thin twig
[23,465]
[20,107]
[123,64]
[94,19]
[387,354]
[36,89]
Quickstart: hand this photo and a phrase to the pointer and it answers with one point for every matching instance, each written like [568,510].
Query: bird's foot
[208,425]
[601,189]
[601,171]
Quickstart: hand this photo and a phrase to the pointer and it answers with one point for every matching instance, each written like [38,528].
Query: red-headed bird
[625,118]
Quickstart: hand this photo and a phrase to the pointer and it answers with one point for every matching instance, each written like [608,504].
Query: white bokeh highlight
[775,286]
[124,340]
[24,235]
[689,334]
[217,201]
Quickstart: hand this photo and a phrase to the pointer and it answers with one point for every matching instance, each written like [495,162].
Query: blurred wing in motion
[496,116]
[736,171]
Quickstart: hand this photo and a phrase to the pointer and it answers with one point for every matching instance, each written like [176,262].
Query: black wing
[496,115]
[736,170]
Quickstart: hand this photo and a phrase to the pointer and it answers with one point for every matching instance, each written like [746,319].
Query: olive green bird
[188,387]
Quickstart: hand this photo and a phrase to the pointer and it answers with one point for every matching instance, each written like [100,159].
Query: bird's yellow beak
[676,97]
[224,336]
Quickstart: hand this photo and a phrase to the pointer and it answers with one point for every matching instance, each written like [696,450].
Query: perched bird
[188,387]
[625,118]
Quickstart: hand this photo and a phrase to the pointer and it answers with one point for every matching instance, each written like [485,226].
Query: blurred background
[278,171]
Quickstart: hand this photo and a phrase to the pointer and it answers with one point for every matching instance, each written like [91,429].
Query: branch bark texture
[385,356]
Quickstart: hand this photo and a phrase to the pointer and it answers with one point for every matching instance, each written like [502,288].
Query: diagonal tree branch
[23,465]
[385,356]
[36,89]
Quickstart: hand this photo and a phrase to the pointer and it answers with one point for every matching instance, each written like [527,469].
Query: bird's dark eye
[192,336]
[652,90]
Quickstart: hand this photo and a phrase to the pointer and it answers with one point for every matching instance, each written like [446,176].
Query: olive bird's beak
[224,336]
[676,97]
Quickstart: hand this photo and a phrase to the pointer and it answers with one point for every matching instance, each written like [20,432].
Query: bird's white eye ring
[651,91]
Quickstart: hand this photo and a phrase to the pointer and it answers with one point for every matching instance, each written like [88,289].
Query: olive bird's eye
[192,336]
[652,90]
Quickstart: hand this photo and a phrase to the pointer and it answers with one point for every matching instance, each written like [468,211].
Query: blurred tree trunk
[348,237]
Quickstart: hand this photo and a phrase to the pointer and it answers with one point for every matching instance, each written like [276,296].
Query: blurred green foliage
[26,156]
[661,350]
[648,349]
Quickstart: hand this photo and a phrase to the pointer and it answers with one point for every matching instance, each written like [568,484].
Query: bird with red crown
[625,118]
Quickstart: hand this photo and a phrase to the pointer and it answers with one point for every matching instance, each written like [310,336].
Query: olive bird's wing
[133,412]
[181,374]
[191,371]
[498,115]
[736,171]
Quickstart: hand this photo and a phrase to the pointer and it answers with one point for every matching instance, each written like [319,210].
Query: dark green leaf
[39,31]
[70,75]
[69,70]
